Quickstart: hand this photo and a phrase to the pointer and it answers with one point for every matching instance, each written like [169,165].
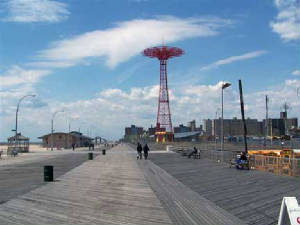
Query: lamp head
[226,85]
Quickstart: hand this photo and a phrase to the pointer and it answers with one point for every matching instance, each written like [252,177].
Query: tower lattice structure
[164,129]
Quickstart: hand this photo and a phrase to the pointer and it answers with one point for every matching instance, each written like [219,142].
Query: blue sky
[85,57]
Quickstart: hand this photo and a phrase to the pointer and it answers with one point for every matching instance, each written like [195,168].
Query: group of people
[140,149]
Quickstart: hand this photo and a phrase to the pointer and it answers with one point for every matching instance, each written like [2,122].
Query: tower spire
[164,129]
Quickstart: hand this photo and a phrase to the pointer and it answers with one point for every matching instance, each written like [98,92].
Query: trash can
[103,151]
[48,173]
[90,156]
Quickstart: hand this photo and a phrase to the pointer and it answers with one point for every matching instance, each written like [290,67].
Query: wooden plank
[182,204]
[110,189]
[249,195]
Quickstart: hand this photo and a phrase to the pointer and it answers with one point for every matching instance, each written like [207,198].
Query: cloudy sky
[84,57]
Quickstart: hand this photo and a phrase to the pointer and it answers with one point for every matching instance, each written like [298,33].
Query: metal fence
[276,165]
[237,146]
[218,156]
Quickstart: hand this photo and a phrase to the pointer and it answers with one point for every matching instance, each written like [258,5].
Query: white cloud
[17,76]
[287,22]
[286,92]
[204,90]
[232,59]
[296,72]
[127,39]
[113,109]
[56,64]
[25,11]
[14,84]
[145,93]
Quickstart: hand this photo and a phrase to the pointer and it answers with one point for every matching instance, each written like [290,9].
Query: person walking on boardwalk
[139,150]
[146,150]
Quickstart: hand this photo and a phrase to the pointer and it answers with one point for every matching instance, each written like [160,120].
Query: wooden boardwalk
[253,196]
[118,189]
[184,206]
[110,189]
[26,174]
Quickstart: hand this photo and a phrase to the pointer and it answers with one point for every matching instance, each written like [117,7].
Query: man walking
[139,151]
[146,150]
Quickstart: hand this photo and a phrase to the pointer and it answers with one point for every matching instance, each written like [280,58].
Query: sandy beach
[32,148]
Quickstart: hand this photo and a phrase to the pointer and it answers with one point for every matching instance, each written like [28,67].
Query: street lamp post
[215,127]
[16,127]
[224,85]
[52,130]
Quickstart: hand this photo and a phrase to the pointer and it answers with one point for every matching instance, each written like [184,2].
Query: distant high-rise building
[181,129]
[279,127]
[151,131]
[133,133]
[283,115]
[192,125]
[207,127]
[234,127]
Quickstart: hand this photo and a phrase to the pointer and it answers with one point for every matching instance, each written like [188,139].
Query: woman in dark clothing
[146,150]
[139,151]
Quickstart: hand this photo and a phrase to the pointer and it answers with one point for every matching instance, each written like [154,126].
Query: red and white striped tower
[164,130]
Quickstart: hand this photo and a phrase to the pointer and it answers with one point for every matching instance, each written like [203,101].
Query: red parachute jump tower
[164,130]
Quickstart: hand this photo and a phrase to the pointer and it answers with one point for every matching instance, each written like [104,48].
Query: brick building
[65,140]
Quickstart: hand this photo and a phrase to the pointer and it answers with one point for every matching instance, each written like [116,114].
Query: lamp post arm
[17,111]
[18,106]
[52,128]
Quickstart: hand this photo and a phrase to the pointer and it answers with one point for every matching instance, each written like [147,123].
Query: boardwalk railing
[238,146]
[277,165]
[219,156]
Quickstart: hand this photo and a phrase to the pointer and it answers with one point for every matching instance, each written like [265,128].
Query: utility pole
[224,85]
[267,122]
[243,115]
[271,128]
[215,127]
